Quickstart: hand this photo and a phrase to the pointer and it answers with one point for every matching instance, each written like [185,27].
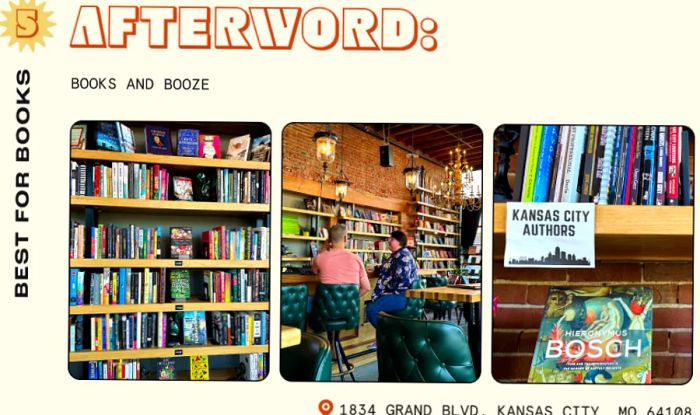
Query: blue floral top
[396,274]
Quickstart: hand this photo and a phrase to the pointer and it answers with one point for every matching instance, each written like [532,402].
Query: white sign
[550,235]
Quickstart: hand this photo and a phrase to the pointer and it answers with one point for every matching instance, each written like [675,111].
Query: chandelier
[458,189]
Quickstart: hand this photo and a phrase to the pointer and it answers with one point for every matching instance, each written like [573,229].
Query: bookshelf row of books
[438,265]
[240,329]
[372,258]
[366,227]
[236,286]
[436,226]
[438,253]
[348,211]
[119,286]
[437,212]
[377,245]
[243,186]
[606,165]
[429,238]
[237,243]
[141,330]
[111,241]
[190,142]
[121,369]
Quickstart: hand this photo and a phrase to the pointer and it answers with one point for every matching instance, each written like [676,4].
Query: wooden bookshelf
[151,206]
[296,259]
[437,245]
[428,230]
[193,305]
[378,251]
[437,218]
[375,235]
[643,233]
[376,222]
[167,263]
[178,161]
[434,271]
[436,259]
[302,237]
[306,212]
[437,207]
[159,352]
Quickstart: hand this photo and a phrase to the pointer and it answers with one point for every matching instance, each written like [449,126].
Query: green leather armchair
[422,351]
[293,309]
[414,306]
[308,361]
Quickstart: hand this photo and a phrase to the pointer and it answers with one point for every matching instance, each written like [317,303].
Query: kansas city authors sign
[550,235]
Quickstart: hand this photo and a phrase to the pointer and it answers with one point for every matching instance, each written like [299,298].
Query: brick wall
[361,165]
[522,293]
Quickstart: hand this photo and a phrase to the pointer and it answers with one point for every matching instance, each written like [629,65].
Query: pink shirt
[338,266]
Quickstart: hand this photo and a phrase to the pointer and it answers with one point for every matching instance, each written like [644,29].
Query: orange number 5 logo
[27,23]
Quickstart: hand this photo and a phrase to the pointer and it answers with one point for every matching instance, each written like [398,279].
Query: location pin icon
[325,407]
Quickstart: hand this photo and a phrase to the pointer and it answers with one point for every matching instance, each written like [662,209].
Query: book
[199,368]
[673,161]
[209,146]
[548,146]
[533,152]
[661,166]
[684,188]
[107,136]
[586,190]
[594,335]
[158,140]
[194,328]
[166,369]
[260,148]
[238,148]
[557,185]
[522,161]
[179,285]
[182,188]
[78,136]
[126,138]
[573,170]
[188,142]
[649,166]
[181,243]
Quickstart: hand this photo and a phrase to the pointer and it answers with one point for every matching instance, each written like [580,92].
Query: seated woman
[396,275]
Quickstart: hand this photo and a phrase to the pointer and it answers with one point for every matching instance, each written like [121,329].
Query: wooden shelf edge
[166,263]
[377,235]
[437,218]
[167,307]
[159,352]
[101,155]
[302,237]
[306,212]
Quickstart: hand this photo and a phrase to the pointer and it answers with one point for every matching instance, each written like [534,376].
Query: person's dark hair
[400,237]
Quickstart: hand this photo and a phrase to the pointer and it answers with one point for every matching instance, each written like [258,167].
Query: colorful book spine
[562,154]
[684,189]
[586,190]
[672,182]
[610,132]
[548,145]
[661,170]
[533,153]
[630,177]
[649,169]
[579,135]
[615,175]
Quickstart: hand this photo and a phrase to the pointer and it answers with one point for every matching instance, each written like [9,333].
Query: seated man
[396,275]
[335,265]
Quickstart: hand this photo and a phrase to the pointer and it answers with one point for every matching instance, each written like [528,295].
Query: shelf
[307,212]
[437,259]
[644,233]
[438,245]
[151,206]
[376,235]
[434,270]
[437,207]
[167,307]
[302,237]
[397,225]
[423,189]
[296,259]
[179,161]
[159,352]
[434,231]
[438,218]
[379,251]
[166,263]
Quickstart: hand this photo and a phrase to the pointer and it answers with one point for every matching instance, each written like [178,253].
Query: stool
[441,308]
[414,306]
[337,307]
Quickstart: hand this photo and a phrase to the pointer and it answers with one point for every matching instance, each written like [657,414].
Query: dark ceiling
[432,141]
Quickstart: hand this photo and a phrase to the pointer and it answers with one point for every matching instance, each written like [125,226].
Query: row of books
[242,186]
[436,226]
[240,329]
[119,180]
[438,264]
[438,253]
[119,331]
[122,369]
[372,258]
[369,214]
[238,243]
[439,240]
[426,210]
[236,286]
[606,165]
[366,227]
[257,366]
[111,241]
[117,136]
[377,245]
[122,286]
